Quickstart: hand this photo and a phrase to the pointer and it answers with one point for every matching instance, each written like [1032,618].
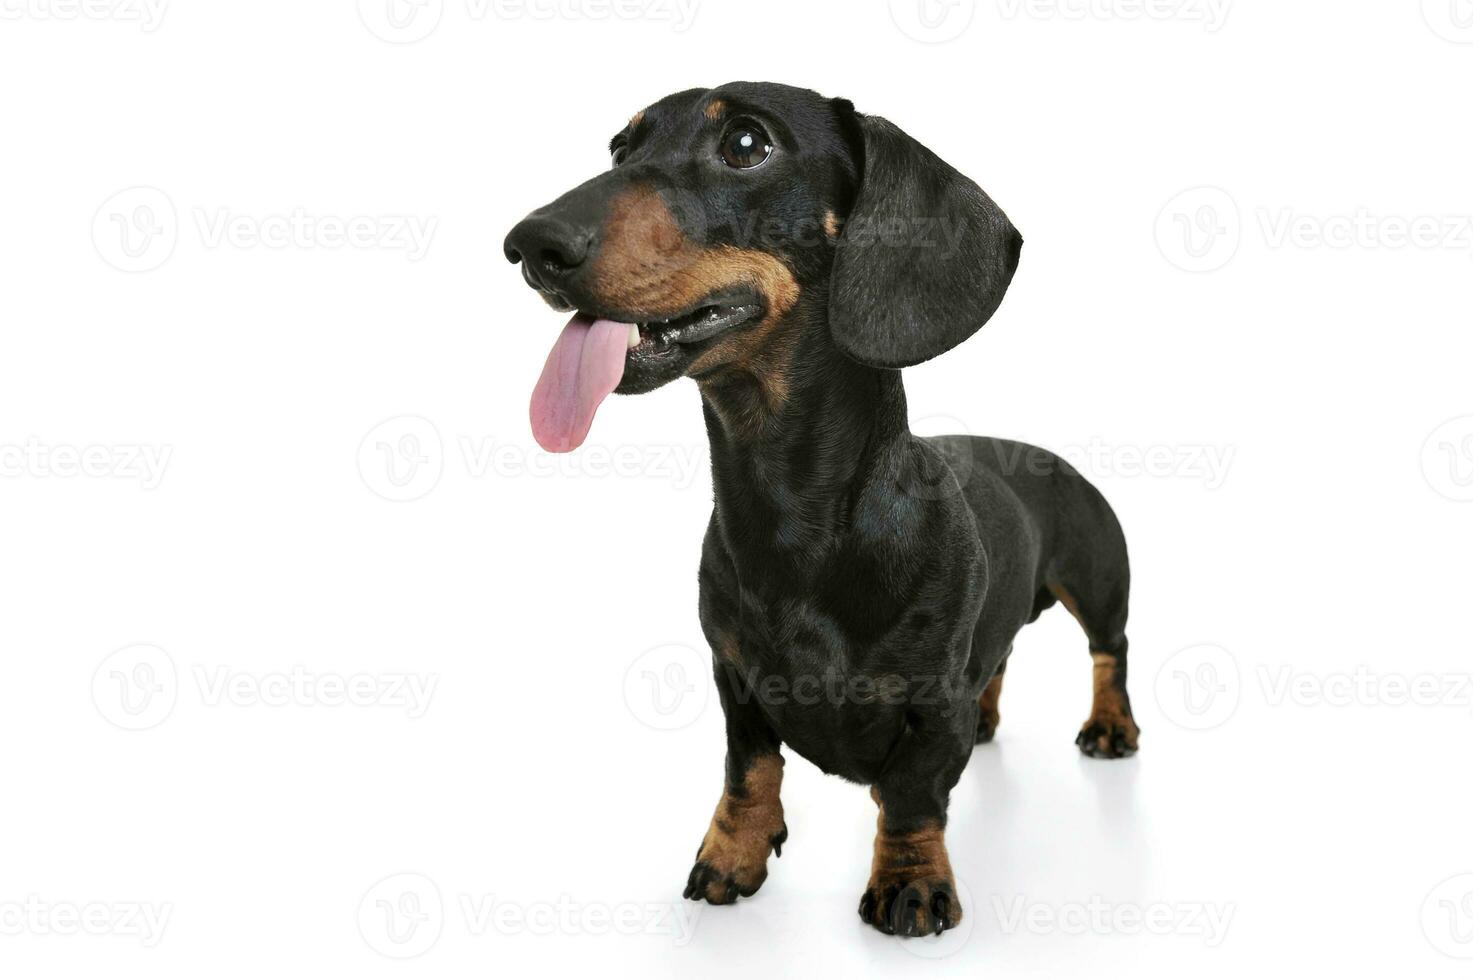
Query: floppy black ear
[925,256]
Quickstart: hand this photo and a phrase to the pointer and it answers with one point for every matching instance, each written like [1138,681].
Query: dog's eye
[617,155]
[745,146]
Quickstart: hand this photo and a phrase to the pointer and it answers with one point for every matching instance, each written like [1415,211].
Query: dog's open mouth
[588,360]
[703,323]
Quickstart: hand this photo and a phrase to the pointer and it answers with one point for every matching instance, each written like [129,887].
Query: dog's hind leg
[1100,604]
[988,715]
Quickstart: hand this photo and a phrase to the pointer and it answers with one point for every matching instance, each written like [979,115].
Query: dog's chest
[836,705]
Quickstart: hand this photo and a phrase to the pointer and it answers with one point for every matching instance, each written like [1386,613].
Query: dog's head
[728,210]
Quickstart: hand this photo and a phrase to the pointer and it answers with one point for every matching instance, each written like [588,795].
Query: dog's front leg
[911,890]
[748,823]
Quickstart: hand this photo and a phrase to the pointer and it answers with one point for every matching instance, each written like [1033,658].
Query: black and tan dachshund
[860,586]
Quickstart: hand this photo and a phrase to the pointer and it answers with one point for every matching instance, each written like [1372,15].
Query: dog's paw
[919,907]
[729,866]
[1108,738]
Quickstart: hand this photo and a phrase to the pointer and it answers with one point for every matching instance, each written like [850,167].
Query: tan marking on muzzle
[649,268]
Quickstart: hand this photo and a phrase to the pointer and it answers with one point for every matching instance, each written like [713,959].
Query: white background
[1184,175]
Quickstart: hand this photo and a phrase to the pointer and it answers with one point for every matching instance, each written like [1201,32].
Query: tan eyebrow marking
[636,119]
[715,108]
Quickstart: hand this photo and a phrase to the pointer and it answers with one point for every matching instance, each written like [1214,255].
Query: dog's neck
[798,434]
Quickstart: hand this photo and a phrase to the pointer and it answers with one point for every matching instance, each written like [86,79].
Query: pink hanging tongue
[585,365]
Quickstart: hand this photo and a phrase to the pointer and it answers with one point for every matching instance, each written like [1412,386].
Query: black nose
[549,249]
